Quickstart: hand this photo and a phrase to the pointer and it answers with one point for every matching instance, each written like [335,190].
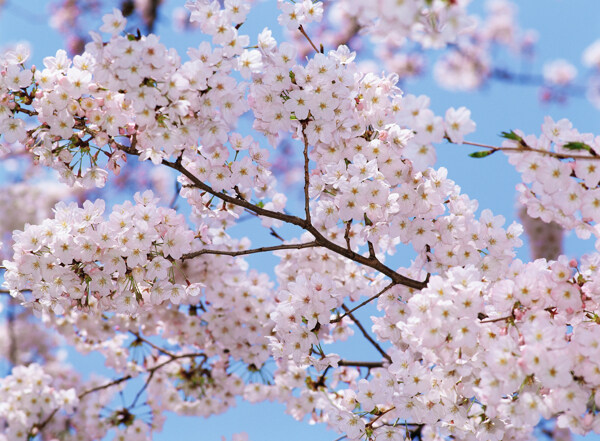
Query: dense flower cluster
[28,397]
[116,264]
[553,189]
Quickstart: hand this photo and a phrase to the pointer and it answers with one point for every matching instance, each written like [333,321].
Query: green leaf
[511,135]
[577,146]
[481,154]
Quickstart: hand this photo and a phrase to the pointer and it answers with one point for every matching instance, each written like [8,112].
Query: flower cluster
[509,346]
[80,259]
[433,24]
[560,175]
[28,397]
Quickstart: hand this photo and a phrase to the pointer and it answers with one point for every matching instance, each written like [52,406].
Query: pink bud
[573,263]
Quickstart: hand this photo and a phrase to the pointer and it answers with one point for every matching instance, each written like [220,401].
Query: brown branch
[365,364]
[497,319]
[371,262]
[528,149]
[149,343]
[370,299]
[303,32]
[291,246]
[370,423]
[274,233]
[306,175]
[366,334]
[104,386]
[347,234]
[37,428]
[371,250]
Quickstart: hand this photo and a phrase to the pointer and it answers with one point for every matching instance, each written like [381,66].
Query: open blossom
[458,123]
[114,23]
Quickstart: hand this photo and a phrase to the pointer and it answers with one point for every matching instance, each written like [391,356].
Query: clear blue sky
[565,29]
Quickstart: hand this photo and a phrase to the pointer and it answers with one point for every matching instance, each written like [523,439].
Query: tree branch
[292,246]
[528,149]
[366,334]
[376,296]
[294,220]
[303,32]
[306,175]
[366,364]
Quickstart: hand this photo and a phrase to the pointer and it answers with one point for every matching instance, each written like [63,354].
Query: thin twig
[373,263]
[347,234]
[303,32]
[370,424]
[149,343]
[366,334]
[104,386]
[497,319]
[37,428]
[306,175]
[527,150]
[291,246]
[370,299]
[274,233]
[365,364]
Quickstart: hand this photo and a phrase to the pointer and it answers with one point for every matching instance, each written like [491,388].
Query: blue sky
[565,29]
